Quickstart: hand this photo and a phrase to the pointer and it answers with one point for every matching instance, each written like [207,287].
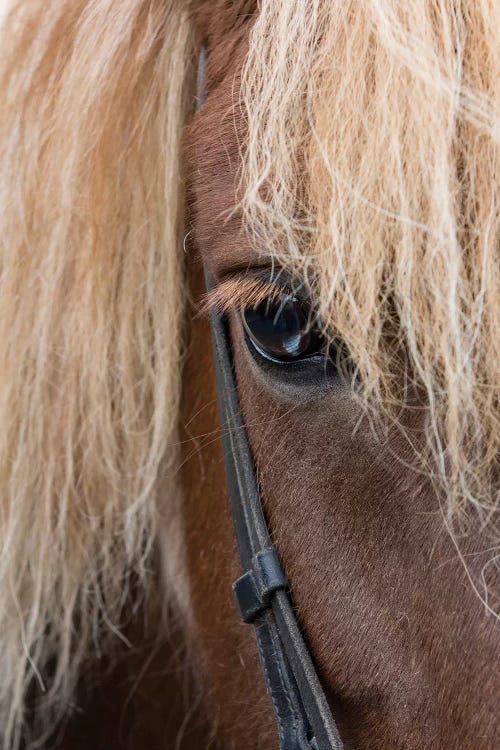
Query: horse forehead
[219,22]
[213,157]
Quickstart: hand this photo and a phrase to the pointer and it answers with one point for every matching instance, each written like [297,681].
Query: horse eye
[281,330]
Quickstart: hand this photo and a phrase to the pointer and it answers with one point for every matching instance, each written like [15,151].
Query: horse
[320,180]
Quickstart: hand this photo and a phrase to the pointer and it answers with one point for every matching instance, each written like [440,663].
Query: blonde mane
[94,99]
[371,168]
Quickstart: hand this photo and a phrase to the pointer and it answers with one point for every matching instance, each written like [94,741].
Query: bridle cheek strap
[302,712]
[304,719]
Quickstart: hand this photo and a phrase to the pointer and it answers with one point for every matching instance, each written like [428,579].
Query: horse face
[361,141]
[395,628]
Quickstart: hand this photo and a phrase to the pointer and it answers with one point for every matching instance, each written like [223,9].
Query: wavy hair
[95,94]
[372,168]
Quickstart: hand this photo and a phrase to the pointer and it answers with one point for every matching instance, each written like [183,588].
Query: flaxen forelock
[372,168]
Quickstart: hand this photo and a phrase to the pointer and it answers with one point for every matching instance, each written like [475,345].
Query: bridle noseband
[304,719]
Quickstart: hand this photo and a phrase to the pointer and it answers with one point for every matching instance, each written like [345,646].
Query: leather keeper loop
[254,589]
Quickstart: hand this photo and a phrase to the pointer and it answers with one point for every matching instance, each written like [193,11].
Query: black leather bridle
[304,719]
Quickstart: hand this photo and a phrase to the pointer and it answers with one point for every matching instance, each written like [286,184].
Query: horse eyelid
[236,293]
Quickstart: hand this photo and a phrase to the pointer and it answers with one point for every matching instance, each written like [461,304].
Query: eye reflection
[281,329]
